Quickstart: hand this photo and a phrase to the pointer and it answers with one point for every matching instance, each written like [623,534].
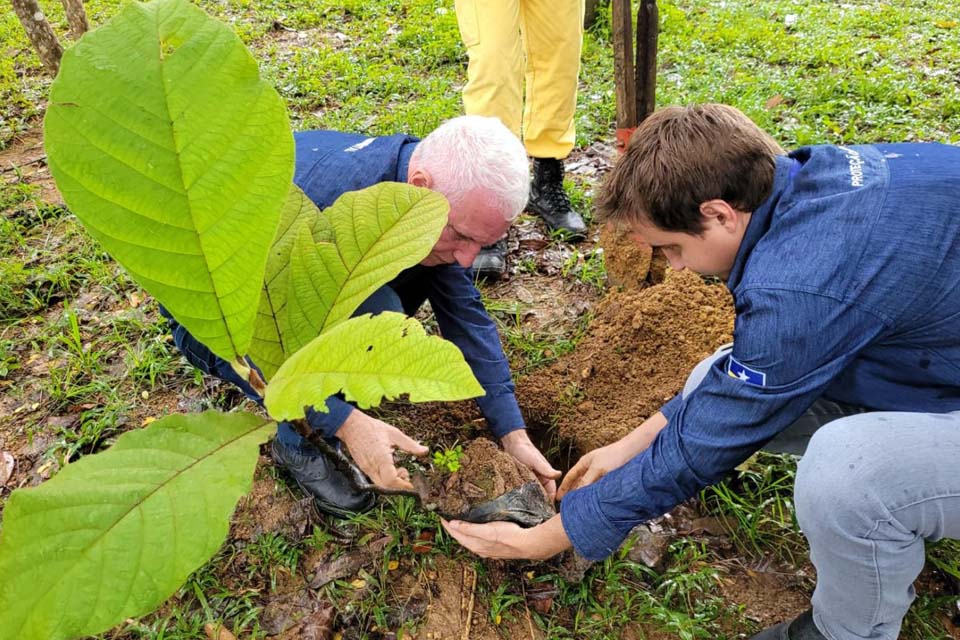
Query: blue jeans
[383,299]
[871,488]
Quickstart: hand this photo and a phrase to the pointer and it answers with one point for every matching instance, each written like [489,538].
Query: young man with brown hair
[844,264]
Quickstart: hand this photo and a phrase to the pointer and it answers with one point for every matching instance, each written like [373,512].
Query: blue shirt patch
[745,374]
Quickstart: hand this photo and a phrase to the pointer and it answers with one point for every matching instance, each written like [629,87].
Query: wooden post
[76,17]
[648,28]
[40,33]
[624,76]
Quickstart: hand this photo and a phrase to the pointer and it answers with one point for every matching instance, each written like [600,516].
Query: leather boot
[549,201]
[800,628]
[318,476]
[491,262]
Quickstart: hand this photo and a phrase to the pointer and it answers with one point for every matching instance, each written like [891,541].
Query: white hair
[476,152]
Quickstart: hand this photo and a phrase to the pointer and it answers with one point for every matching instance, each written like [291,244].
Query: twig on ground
[15,168]
[473,593]
[526,607]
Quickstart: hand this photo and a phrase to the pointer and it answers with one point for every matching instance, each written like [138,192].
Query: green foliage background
[851,72]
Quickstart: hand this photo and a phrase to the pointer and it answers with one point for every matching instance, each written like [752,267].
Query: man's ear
[420,178]
[720,212]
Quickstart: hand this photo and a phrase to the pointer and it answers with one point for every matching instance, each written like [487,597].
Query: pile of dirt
[640,347]
[486,472]
[627,262]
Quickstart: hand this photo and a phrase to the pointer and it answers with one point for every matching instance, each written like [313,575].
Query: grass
[75,346]
[756,507]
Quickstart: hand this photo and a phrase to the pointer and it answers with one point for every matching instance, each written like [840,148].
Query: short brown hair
[680,157]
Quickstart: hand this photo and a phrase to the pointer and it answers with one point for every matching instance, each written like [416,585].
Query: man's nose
[466,254]
[675,263]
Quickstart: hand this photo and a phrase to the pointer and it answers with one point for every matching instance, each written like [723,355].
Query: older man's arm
[464,321]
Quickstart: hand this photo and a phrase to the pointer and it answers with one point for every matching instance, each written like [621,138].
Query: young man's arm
[789,346]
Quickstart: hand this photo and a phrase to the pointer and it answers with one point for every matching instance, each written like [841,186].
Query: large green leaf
[378,231]
[115,534]
[371,358]
[177,157]
[298,214]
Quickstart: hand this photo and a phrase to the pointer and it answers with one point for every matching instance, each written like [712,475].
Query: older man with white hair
[481,168]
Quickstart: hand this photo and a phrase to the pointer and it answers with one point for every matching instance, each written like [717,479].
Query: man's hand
[508,541]
[594,466]
[371,443]
[517,443]
[602,461]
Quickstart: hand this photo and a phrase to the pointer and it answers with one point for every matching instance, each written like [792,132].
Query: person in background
[524,59]
[844,266]
[481,168]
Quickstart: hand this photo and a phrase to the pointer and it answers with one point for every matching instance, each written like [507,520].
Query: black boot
[319,477]
[491,262]
[549,201]
[800,628]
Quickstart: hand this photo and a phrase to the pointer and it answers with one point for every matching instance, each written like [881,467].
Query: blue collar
[762,217]
[403,162]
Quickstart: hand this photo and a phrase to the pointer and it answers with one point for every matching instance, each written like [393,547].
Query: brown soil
[486,472]
[767,597]
[628,263]
[452,595]
[26,161]
[636,356]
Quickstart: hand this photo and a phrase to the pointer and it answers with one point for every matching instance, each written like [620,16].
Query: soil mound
[640,347]
[486,473]
[627,262]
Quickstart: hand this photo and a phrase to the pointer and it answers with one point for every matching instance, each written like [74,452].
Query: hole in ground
[560,452]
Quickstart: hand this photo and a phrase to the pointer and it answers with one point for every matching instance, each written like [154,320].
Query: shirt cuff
[502,414]
[670,409]
[593,536]
[330,422]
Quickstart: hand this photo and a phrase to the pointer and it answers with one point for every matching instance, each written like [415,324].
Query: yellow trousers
[539,41]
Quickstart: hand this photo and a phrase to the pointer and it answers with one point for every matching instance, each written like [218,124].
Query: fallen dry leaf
[218,632]
[317,625]
[773,102]
[347,564]
[424,543]
[7,464]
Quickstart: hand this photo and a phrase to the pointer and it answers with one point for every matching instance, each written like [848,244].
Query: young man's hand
[371,443]
[517,443]
[602,461]
[507,541]
[593,466]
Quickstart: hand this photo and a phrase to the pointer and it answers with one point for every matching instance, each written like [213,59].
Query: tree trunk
[76,16]
[40,33]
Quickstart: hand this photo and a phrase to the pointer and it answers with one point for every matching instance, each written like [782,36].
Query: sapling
[448,459]
[174,154]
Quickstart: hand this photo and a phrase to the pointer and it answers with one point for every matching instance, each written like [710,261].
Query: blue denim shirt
[330,163]
[846,285]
